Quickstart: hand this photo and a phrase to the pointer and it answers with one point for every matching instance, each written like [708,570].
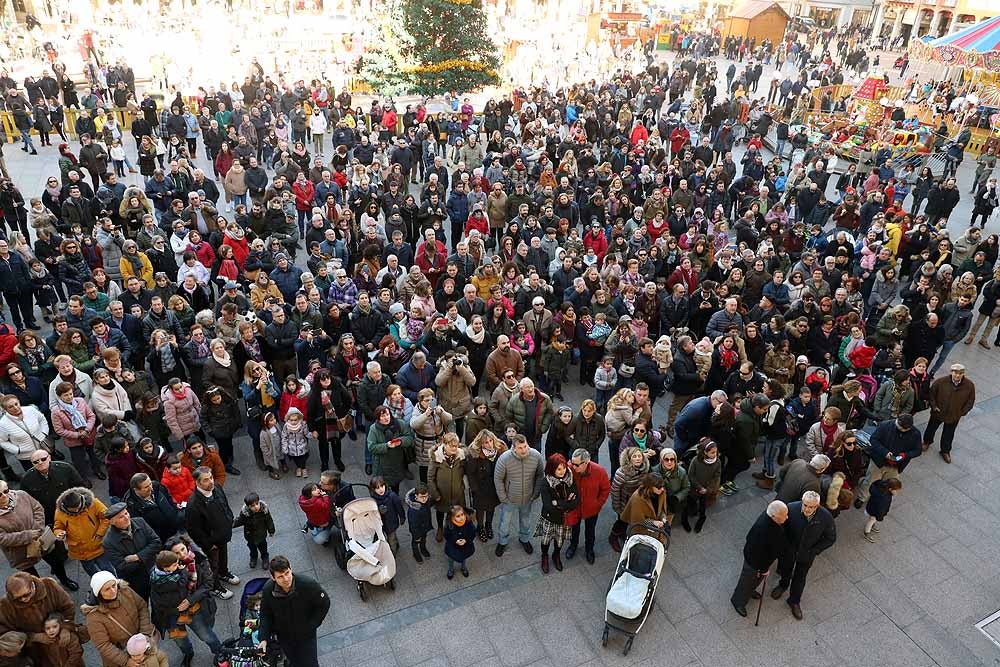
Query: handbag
[346,423]
[42,544]
[40,443]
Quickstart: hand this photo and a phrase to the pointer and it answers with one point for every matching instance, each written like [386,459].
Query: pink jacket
[181,414]
[63,425]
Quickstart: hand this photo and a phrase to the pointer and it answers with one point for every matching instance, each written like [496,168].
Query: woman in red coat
[639,133]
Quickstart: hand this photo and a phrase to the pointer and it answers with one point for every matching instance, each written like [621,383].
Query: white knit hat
[98,581]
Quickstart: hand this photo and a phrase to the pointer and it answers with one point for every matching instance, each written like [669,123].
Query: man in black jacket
[292,607]
[687,381]
[131,545]
[766,542]
[893,444]
[647,371]
[210,524]
[810,532]
[45,482]
[149,500]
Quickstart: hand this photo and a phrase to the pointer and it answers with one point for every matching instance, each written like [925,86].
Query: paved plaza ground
[911,599]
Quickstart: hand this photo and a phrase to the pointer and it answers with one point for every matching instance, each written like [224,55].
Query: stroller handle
[646,528]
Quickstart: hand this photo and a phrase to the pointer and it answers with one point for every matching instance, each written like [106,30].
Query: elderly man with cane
[766,542]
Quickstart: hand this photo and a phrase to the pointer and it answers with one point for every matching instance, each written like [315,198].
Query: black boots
[556,560]
[416,554]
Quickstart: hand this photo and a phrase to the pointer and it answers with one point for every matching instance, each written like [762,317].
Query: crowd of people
[425,289]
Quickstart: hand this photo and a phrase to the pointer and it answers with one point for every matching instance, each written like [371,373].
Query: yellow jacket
[146,274]
[85,530]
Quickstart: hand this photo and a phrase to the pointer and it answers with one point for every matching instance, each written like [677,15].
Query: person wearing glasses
[30,600]
[23,430]
[22,522]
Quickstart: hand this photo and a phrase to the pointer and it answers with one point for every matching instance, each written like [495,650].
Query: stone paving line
[910,599]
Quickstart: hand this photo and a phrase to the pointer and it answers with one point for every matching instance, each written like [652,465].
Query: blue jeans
[320,535]
[239,199]
[771,450]
[523,522]
[779,147]
[26,137]
[201,625]
[452,563]
[942,355]
[95,565]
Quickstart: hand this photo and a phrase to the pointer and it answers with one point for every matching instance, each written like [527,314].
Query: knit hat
[802,359]
[396,308]
[99,580]
[280,256]
[137,645]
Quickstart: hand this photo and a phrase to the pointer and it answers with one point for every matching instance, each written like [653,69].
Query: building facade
[905,20]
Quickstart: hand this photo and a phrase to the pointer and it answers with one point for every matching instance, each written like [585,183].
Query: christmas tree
[383,65]
[450,48]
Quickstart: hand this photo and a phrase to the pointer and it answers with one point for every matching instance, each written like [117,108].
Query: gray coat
[794,479]
[111,252]
[519,480]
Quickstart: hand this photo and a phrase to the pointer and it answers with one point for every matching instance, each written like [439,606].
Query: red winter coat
[303,195]
[862,356]
[241,249]
[599,243]
[593,489]
[317,509]
[639,133]
[180,486]
[7,343]
[480,222]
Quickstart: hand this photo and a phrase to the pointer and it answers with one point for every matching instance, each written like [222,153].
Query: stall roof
[754,8]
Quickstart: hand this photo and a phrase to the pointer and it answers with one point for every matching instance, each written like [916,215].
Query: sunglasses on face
[639,430]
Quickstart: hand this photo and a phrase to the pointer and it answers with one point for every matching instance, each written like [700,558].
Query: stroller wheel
[391,584]
[604,637]
[628,645]
[362,591]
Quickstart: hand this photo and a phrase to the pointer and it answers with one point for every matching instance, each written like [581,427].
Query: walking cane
[760,603]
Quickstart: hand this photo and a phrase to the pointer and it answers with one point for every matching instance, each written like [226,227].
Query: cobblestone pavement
[911,599]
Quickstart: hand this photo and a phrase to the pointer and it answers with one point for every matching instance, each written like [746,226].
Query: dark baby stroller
[242,651]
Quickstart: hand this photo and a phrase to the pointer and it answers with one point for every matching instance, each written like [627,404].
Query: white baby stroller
[370,559]
[630,594]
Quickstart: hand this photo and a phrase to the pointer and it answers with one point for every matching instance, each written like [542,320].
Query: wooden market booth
[760,19]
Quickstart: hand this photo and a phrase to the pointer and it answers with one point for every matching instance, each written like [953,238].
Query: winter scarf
[76,418]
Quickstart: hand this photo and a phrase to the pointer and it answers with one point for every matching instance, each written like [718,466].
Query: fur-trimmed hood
[85,493]
[438,455]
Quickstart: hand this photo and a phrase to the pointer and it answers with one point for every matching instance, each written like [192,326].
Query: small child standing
[459,540]
[65,649]
[117,153]
[555,360]
[391,509]
[295,441]
[257,524]
[418,513]
[605,381]
[43,286]
[879,501]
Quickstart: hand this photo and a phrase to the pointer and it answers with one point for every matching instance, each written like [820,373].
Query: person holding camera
[454,387]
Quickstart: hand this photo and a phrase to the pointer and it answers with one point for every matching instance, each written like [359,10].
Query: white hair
[810,497]
[719,395]
[775,507]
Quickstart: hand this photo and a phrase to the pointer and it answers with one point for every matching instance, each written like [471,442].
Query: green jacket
[544,411]
[677,482]
[390,462]
[747,430]
[446,482]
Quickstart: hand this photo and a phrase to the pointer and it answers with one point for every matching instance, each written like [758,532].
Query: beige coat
[112,623]
[19,526]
